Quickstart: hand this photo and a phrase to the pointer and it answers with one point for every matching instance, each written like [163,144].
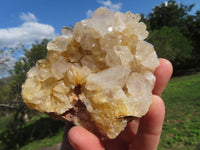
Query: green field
[181,130]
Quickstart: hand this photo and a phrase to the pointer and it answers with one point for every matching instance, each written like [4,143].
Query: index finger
[163,73]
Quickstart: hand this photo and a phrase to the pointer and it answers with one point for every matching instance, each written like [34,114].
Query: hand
[140,134]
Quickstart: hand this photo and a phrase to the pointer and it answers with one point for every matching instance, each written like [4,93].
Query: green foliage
[4,96]
[5,120]
[4,59]
[169,43]
[3,93]
[38,51]
[12,136]
[46,142]
[177,15]
[170,14]
[195,36]
[15,137]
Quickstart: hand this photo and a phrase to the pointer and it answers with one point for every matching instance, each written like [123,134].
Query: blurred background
[27,26]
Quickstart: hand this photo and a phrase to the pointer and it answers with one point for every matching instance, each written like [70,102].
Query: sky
[25,21]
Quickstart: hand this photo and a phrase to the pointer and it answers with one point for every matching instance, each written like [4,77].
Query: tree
[6,60]
[173,14]
[169,43]
[12,136]
[169,14]
[37,51]
[195,37]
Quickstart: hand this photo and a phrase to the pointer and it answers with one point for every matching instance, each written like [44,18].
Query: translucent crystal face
[97,74]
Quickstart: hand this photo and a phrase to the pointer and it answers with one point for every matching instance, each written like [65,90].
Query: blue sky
[24,21]
[37,19]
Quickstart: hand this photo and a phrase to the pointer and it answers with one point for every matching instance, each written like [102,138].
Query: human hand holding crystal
[100,76]
[143,133]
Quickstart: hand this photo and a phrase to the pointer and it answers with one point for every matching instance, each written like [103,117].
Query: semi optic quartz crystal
[98,75]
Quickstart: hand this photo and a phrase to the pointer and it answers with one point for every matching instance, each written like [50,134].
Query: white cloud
[89,13]
[110,5]
[166,3]
[27,33]
[28,17]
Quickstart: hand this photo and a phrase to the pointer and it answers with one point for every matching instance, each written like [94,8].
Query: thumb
[82,139]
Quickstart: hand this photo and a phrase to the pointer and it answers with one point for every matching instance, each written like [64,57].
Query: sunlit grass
[181,130]
[48,141]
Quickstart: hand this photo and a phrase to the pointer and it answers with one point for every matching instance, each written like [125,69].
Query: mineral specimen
[98,75]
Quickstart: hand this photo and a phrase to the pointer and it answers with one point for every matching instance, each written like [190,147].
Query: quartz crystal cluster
[98,75]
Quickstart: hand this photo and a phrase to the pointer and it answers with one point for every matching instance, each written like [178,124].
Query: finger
[150,127]
[81,139]
[130,131]
[125,137]
[163,73]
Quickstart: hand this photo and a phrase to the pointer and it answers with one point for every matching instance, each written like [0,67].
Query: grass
[50,131]
[40,131]
[181,129]
[48,141]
